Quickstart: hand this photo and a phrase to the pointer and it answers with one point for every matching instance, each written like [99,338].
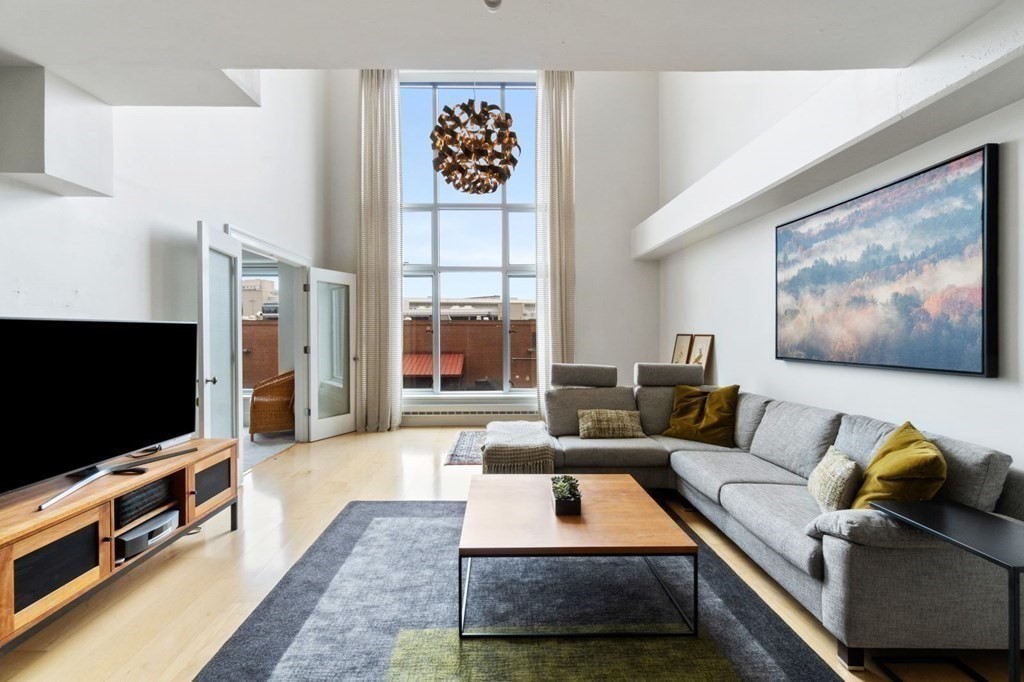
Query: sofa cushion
[667,374]
[675,444]
[612,452]
[562,405]
[778,516]
[975,474]
[711,472]
[567,374]
[708,416]
[860,437]
[795,436]
[749,412]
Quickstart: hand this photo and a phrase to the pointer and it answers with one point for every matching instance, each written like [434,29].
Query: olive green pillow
[704,416]
[610,424]
[908,467]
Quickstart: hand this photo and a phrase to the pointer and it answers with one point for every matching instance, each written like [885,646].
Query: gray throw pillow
[835,481]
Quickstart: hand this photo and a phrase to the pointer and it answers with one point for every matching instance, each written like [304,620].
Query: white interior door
[220,333]
[331,344]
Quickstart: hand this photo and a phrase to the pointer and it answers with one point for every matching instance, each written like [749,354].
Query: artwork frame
[701,350]
[949,328]
[681,349]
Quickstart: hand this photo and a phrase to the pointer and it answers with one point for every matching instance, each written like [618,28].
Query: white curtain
[556,224]
[379,375]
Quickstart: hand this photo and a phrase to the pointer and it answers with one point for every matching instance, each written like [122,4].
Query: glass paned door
[332,338]
[219,333]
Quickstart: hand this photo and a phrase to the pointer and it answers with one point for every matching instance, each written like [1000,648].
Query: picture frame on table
[681,349]
[701,349]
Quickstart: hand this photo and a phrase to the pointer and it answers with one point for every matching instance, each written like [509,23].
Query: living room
[664,160]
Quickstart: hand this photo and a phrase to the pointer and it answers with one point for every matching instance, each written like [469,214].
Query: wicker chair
[273,405]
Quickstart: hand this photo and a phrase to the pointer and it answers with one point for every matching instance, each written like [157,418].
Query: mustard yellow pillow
[704,416]
[908,467]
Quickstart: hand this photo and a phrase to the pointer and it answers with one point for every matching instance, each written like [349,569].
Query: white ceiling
[662,35]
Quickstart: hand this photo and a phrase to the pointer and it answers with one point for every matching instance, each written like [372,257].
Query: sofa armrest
[870,528]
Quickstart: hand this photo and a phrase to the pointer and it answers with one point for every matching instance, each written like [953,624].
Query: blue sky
[467,238]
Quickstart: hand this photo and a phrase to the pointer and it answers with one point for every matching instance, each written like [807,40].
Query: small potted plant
[565,492]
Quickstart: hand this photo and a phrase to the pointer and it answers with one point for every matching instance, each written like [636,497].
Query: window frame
[434,270]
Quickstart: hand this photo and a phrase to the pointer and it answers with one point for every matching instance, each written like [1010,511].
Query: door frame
[300,332]
[209,239]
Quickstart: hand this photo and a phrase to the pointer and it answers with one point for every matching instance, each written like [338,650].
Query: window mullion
[435,248]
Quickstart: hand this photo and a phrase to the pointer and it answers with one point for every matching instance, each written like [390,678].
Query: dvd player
[145,535]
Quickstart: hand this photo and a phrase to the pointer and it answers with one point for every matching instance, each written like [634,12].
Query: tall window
[469,296]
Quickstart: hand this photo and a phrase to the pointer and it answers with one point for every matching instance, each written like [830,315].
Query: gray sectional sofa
[872,583]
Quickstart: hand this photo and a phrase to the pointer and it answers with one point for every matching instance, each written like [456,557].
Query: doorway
[268,357]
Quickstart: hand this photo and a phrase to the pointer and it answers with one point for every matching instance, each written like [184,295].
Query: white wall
[726,285]
[133,256]
[616,188]
[708,116]
[341,237]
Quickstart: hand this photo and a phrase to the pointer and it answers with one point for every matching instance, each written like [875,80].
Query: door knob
[212,381]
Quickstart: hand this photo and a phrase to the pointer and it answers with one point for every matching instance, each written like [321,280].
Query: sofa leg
[252,437]
[851,657]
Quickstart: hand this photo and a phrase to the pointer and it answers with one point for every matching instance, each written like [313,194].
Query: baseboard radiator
[455,416]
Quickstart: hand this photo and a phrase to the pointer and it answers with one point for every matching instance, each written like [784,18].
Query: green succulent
[565,488]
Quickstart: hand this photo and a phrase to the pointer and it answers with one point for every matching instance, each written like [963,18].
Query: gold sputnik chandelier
[474,150]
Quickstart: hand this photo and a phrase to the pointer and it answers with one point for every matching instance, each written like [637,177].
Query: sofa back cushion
[749,413]
[1011,502]
[794,436]
[860,437]
[655,405]
[975,474]
[562,406]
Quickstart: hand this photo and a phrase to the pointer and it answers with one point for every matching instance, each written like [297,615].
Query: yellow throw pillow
[908,467]
[704,416]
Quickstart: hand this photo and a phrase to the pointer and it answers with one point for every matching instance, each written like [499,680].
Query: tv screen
[102,389]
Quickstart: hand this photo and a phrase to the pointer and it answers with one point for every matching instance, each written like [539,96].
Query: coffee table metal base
[690,622]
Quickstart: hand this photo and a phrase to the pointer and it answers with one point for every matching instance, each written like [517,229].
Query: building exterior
[256,292]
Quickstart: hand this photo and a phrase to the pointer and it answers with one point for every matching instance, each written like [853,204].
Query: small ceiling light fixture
[493,5]
[474,150]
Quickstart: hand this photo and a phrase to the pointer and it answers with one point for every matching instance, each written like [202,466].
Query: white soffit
[853,123]
[162,86]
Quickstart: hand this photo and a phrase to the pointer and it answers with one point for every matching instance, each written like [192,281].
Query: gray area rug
[265,447]
[374,598]
[467,448]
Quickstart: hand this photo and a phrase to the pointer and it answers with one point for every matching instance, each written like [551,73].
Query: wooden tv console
[51,558]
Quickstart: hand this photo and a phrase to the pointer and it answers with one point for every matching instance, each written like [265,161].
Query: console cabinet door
[44,571]
[212,482]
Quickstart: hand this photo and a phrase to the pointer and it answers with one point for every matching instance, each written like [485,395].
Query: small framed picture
[681,351]
[700,349]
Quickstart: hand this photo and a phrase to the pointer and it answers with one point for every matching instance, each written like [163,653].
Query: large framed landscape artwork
[902,277]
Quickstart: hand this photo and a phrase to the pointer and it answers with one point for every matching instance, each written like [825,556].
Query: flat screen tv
[101,389]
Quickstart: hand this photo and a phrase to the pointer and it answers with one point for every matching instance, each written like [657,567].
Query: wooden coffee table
[511,515]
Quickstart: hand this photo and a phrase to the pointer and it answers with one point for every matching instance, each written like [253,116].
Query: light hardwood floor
[167,618]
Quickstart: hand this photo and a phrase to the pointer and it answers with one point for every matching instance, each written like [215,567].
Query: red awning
[422,364]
